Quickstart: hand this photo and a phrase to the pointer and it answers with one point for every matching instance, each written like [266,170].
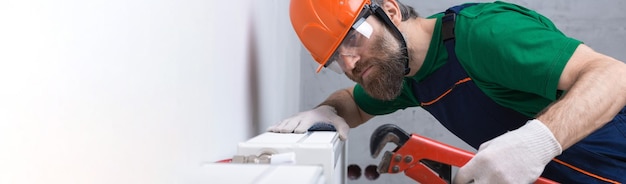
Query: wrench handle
[420,148]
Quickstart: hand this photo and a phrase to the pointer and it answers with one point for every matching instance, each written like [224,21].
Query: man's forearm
[598,93]
[343,102]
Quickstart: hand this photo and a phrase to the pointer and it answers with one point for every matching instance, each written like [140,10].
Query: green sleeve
[519,49]
[379,107]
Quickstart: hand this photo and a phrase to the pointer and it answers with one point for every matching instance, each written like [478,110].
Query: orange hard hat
[321,25]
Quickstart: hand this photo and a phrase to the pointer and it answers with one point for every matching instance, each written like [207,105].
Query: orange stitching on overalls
[584,172]
[446,93]
[555,160]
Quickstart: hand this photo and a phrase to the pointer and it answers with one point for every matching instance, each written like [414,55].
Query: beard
[386,73]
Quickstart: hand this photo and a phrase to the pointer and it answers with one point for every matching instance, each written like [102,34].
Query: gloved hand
[517,156]
[302,121]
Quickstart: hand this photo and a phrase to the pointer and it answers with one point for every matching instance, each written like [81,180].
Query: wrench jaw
[420,158]
[379,142]
[410,156]
[385,163]
[385,134]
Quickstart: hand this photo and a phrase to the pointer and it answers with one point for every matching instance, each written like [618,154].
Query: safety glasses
[354,42]
[351,47]
[359,35]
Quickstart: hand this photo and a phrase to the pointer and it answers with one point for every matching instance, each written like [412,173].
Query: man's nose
[349,61]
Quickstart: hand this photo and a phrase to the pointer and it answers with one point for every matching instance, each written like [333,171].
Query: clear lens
[351,46]
[335,66]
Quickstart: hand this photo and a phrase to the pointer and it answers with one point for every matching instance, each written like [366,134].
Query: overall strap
[452,97]
[483,119]
[447,30]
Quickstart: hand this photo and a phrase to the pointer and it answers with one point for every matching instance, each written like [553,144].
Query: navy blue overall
[451,96]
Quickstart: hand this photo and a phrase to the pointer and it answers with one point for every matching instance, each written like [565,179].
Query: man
[503,78]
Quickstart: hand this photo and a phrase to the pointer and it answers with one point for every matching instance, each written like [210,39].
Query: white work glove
[302,121]
[517,156]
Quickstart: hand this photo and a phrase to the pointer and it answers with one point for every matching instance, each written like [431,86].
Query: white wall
[278,62]
[137,91]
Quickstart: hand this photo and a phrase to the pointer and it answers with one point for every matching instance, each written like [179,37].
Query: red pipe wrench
[420,158]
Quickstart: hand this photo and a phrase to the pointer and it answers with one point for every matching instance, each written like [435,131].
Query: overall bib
[451,96]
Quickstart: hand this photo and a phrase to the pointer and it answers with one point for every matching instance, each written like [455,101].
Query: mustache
[389,58]
[360,67]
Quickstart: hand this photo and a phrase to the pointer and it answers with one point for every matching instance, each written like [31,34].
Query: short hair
[406,11]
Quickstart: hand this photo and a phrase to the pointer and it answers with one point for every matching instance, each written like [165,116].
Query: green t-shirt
[513,54]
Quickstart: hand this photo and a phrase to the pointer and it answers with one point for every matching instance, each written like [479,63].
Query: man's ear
[392,10]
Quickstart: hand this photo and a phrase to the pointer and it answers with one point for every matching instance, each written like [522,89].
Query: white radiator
[321,148]
[231,173]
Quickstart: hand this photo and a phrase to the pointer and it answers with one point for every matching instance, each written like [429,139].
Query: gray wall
[600,24]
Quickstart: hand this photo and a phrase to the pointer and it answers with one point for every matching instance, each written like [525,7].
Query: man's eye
[352,40]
